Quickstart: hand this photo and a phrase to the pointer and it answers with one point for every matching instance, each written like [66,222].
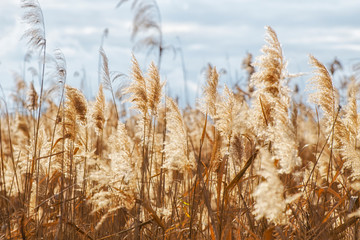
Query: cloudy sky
[216,32]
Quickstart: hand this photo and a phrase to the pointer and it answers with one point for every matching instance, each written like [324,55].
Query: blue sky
[216,32]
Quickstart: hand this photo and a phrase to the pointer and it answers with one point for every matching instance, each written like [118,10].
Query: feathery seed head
[32,100]
[98,115]
[34,17]
[178,156]
[138,88]
[325,91]
[77,101]
[154,88]
[210,93]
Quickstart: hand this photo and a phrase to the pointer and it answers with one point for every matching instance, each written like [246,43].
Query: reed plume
[349,136]
[138,89]
[113,182]
[98,116]
[77,102]
[267,81]
[178,155]
[271,109]
[210,93]
[34,17]
[147,24]
[109,78]
[154,88]
[60,66]
[270,202]
[324,95]
[226,114]
[32,99]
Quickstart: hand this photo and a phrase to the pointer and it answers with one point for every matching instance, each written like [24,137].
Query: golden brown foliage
[257,167]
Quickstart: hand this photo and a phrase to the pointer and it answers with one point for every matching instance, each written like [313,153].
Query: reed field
[254,162]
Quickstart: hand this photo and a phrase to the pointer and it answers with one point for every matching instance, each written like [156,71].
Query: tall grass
[243,165]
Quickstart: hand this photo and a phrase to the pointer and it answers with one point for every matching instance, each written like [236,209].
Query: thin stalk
[38,119]
[3,186]
[58,232]
[53,138]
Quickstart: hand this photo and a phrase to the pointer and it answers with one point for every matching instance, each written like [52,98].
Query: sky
[206,31]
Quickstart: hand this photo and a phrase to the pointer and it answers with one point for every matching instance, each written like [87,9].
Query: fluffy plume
[343,132]
[34,17]
[349,137]
[154,88]
[267,81]
[137,89]
[146,26]
[226,113]
[271,109]
[146,92]
[284,140]
[270,202]
[271,66]
[77,101]
[109,78]
[114,182]
[75,112]
[105,70]
[210,93]
[60,62]
[178,155]
[98,115]
[324,94]
[32,100]
[351,118]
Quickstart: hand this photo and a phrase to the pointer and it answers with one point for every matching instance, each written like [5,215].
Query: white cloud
[351,47]
[10,39]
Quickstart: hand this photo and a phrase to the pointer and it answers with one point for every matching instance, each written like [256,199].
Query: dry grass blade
[79,230]
[238,176]
[338,230]
[153,214]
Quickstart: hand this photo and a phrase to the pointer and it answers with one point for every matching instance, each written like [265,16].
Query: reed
[244,164]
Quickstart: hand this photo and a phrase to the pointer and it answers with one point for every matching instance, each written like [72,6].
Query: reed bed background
[243,163]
